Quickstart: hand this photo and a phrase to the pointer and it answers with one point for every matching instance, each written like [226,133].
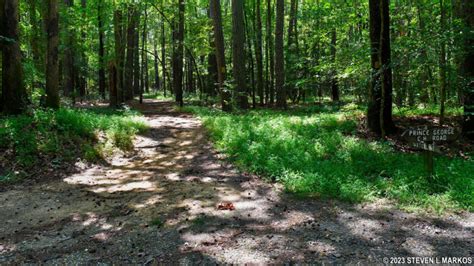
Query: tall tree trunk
[334,82]
[442,63]
[69,59]
[113,84]
[52,66]
[468,69]
[220,53]
[270,54]
[144,72]
[156,70]
[35,40]
[136,55]
[259,53]
[238,52]
[130,60]
[251,63]
[279,55]
[82,66]
[119,55]
[14,97]
[379,115]
[101,51]
[212,75]
[163,55]
[178,52]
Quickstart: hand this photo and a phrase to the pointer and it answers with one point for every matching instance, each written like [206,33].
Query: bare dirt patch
[162,205]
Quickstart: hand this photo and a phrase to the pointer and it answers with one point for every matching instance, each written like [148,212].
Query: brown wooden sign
[430,134]
[426,137]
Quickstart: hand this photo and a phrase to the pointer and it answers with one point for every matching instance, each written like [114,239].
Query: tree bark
[163,56]
[259,53]
[69,59]
[178,55]
[467,69]
[157,71]
[113,82]
[238,54]
[14,97]
[52,66]
[119,55]
[442,63]
[130,60]
[101,51]
[279,55]
[379,116]
[334,82]
[270,55]
[220,54]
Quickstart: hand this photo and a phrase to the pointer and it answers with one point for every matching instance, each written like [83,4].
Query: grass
[314,152]
[63,135]
[157,222]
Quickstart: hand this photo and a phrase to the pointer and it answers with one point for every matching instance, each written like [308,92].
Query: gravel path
[161,206]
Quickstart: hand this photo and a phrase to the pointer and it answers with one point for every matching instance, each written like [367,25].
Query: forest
[236,131]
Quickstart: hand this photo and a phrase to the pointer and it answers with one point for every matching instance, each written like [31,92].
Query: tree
[119,58]
[334,84]
[215,12]
[52,67]
[14,98]
[379,115]
[270,56]
[238,53]
[468,68]
[442,63]
[178,55]
[130,59]
[101,50]
[69,59]
[279,55]
[259,53]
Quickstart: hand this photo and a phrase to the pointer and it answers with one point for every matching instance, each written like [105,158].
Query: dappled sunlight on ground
[160,205]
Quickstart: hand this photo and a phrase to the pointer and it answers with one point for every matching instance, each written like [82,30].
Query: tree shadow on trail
[161,206]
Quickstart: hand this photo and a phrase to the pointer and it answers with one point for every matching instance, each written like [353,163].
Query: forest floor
[175,199]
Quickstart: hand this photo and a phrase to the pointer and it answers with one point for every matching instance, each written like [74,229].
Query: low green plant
[67,133]
[314,151]
[158,222]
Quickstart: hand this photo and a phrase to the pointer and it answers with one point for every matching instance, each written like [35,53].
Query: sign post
[426,137]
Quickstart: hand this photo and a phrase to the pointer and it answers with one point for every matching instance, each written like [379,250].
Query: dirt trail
[160,206]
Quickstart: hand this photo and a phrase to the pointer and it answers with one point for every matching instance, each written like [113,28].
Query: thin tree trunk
[69,69]
[163,56]
[271,61]
[238,52]
[279,55]
[144,72]
[52,67]
[157,75]
[334,82]
[129,65]
[442,63]
[258,53]
[113,82]
[136,55]
[212,76]
[119,56]
[468,69]
[101,51]
[220,54]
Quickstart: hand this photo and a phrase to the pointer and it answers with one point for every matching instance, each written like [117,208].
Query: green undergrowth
[315,152]
[58,136]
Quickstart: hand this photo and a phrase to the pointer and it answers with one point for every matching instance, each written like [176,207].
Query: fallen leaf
[226,206]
